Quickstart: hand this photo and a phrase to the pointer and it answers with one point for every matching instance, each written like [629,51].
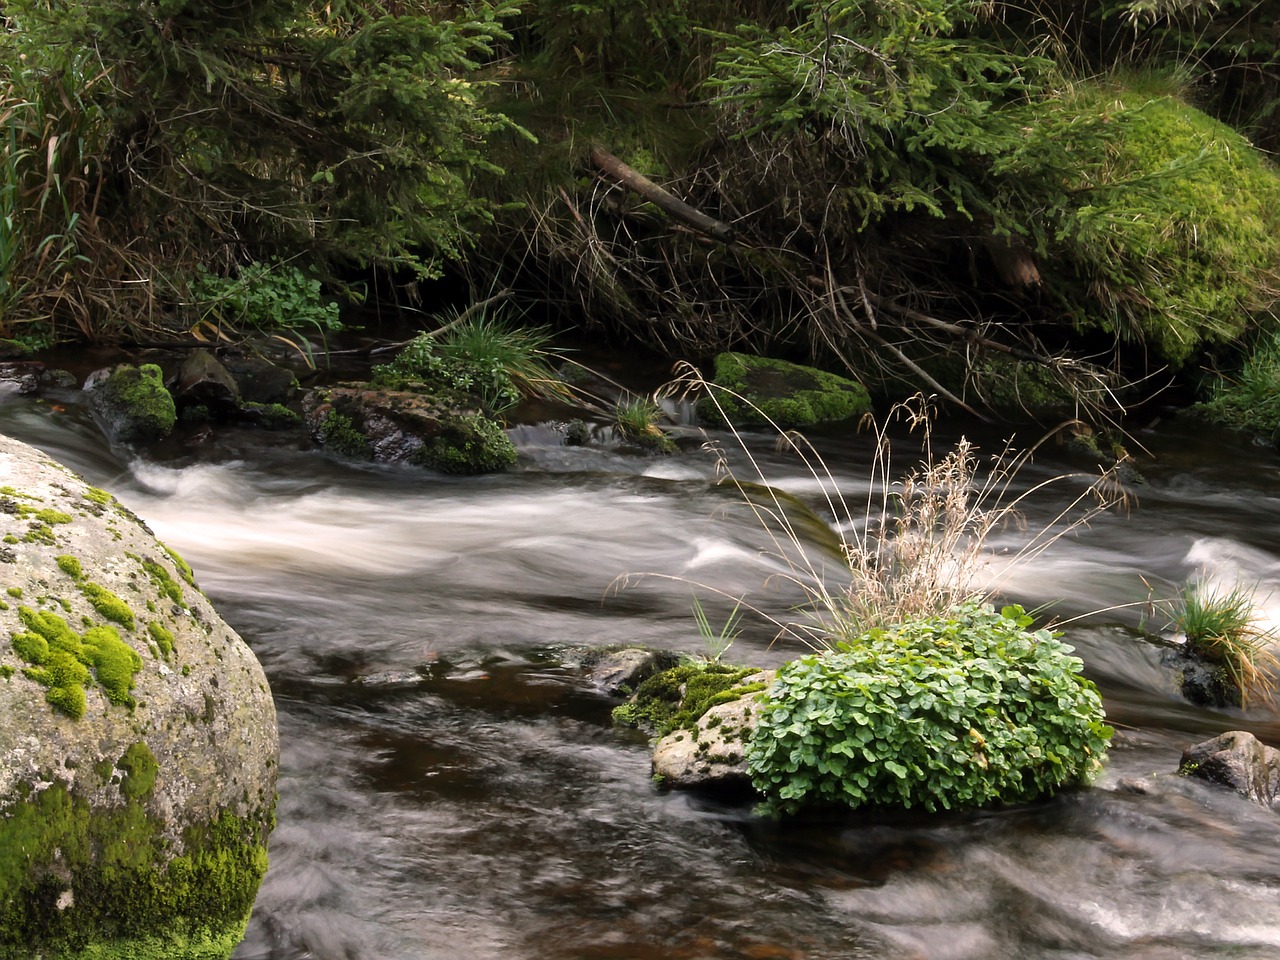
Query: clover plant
[960,710]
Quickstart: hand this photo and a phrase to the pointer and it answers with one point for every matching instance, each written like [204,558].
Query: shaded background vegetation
[1007,205]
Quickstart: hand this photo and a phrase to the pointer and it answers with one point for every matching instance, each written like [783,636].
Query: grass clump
[961,710]
[1250,401]
[484,356]
[636,421]
[1224,626]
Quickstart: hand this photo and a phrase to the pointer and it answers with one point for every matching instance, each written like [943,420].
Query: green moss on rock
[755,390]
[472,444]
[109,606]
[76,882]
[164,583]
[61,660]
[163,638]
[676,698]
[339,433]
[70,566]
[138,403]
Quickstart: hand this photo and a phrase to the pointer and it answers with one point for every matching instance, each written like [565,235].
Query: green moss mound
[1173,224]
[754,390]
[62,659]
[129,897]
[469,445]
[139,403]
[963,710]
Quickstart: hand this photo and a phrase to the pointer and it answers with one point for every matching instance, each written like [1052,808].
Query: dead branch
[633,180]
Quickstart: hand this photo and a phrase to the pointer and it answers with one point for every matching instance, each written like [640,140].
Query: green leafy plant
[959,710]
[1223,625]
[264,296]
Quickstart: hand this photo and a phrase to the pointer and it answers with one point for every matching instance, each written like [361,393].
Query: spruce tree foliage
[912,184]
[344,133]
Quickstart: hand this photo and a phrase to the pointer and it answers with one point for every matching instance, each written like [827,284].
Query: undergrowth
[1223,625]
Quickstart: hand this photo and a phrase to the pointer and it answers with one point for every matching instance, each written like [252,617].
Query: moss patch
[163,582]
[139,404]
[62,659]
[755,388]
[131,898]
[339,433]
[472,444]
[109,606]
[184,569]
[676,698]
[163,638]
[70,566]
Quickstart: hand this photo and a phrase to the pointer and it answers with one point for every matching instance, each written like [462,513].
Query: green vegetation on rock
[747,390]
[339,433]
[675,698]
[470,445]
[61,660]
[1249,400]
[966,709]
[108,605]
[133,898]
[139,404]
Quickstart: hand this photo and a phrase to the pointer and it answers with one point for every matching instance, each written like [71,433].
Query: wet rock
[712,754]
[440,431]
[789,394]
[202,380]
[1203,682]
[133,402]
[618,671]
[261,381]
[138,744]
[21,377]
[1238,760]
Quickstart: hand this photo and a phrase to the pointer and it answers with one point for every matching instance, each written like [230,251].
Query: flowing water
[449,789]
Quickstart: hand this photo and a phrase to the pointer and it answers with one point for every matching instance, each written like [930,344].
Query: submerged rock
[789,394]
[138,744]
[367,422]
[133,401]
[1238,760]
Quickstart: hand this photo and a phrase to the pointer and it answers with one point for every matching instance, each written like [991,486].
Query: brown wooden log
[672,205]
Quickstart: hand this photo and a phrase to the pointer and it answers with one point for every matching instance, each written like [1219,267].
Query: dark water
[449,790]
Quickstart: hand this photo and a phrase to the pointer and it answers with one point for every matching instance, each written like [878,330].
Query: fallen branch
[633,180]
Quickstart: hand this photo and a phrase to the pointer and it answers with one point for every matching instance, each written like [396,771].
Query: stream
[449,789]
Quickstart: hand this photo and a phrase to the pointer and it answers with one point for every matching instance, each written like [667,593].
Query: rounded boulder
[138,742]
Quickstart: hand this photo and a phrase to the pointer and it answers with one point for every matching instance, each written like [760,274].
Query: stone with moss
[138,751]
[134,402]
[441,429]
[751,391]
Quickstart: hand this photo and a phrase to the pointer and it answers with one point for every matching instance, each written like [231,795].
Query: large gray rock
[138,744]
[1236,759]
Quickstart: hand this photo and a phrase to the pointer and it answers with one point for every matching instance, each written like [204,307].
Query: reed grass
[1223,625]
[919,543]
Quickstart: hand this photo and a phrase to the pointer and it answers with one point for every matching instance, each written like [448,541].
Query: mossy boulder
[133,402]
[138,744]
[747,390]
[438,429]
